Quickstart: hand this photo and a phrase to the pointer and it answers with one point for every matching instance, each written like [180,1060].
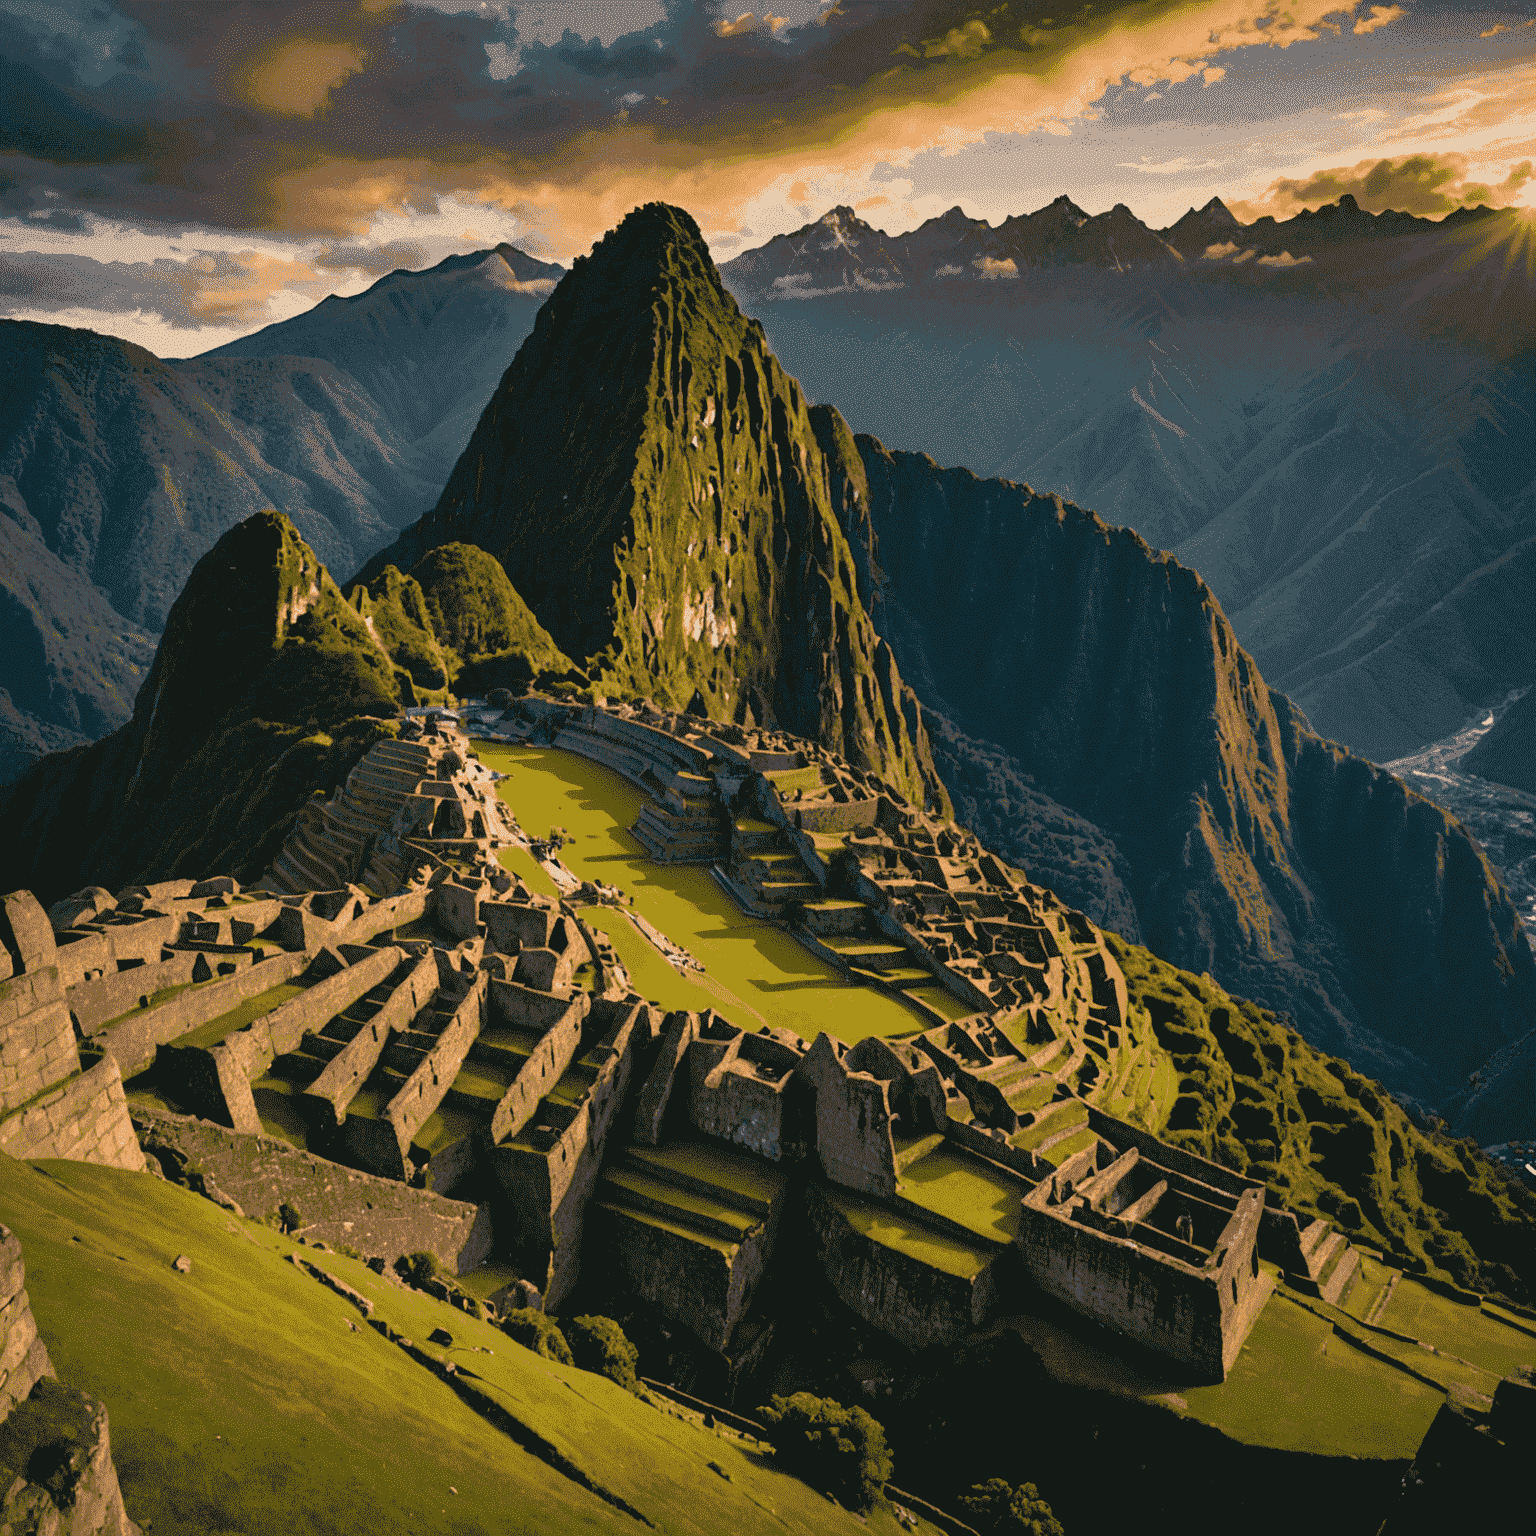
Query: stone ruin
[415,1019]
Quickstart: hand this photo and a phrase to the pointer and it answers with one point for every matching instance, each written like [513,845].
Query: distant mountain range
[1332,418]
[118,471]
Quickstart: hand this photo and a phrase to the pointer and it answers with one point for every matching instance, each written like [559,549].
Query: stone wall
[853,1121]
[338,1206]
[37,1040]
[1159,1305]
[84,1118]
[23,1355]
[911,1301]
[134,1041]
[43,1421]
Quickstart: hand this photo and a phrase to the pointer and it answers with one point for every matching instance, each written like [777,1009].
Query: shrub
[599,1344]
[289,1218]
[841,1451]
[998,1509]
[535,1331]
[418,1269]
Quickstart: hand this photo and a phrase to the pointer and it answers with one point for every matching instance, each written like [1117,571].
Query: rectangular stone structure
[134,1041]
[325,1101]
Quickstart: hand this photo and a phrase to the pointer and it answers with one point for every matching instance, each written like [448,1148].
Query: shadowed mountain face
[648,476]
[1146,762]
[119,471]
[1333,418]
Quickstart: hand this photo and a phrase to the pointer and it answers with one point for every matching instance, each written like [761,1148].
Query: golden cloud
[295,77]
[1379,16]
[739,167]
[1429,185]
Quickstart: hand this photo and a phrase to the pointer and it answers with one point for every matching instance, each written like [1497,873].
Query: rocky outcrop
[1108,677]
[648,475]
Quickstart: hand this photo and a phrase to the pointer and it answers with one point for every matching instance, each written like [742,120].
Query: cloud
[1379,16]
[996,271]
[1167,167]
[296,76]
[747,22]
[1429,185]
[1494,30]
[338,126]
[1219,252]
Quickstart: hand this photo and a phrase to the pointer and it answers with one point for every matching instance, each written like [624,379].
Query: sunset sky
[179,172]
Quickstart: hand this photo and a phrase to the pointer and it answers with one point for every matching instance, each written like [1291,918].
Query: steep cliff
[1108,678]
[267,686]
[648,476]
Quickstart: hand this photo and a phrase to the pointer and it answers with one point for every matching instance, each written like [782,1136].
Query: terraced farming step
[634,1189]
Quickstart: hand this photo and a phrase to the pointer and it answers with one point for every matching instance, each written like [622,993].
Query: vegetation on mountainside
[267,688]
[476,612]
[395,610]
[598,1344]
[840,1450]
[997,1508]
[539,1332]
[650,479]
[1330,1142]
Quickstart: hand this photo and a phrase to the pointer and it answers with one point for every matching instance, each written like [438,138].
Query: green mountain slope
[1329,1143]
[267,686]
[649,477]
[246,1396]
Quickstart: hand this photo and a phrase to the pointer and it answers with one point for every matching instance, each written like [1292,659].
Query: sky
[181,172]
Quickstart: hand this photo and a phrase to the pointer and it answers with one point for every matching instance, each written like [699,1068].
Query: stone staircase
[335,842]
[766,873]
[1331,1263]
[688,825]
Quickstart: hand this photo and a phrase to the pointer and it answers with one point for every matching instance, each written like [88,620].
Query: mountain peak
[841,214]
[653,485]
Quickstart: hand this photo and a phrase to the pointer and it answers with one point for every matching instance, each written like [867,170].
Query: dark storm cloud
[203,103]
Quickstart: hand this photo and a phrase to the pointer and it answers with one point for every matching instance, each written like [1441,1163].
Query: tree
[599,1344]
[840,1450]
[998,1508]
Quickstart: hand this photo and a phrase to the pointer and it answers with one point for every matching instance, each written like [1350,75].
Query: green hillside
[245,1396]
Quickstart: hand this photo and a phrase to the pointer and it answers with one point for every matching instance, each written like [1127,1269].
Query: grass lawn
[1465,1331]
[967,1190]
[242,1399]
[937,1249]
[755,972]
